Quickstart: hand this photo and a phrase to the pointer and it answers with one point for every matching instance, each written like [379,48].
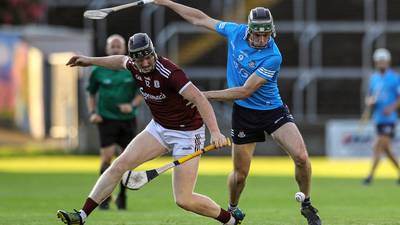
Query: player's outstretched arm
[195,96]
[112,62]
[252,84]
[192,15]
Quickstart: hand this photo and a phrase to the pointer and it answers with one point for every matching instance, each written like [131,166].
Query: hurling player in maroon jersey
[175,127]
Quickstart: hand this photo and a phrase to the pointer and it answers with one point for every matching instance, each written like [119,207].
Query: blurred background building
[326,48]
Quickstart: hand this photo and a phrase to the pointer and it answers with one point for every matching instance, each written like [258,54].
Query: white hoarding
[349,138]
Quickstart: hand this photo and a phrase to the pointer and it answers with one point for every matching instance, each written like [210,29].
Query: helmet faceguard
[260,20]
[140,47]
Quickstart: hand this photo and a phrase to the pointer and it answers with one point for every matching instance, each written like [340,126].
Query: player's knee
[240,176]
[118,167]
[184,203]
[301,158]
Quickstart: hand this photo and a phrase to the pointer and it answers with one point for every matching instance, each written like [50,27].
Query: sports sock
[82,214]
[122,189]
[224,216]
[232,207]
[89,206]
[231,221]
[306,202]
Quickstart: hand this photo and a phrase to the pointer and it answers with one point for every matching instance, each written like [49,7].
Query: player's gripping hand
[218,139]
[79,60]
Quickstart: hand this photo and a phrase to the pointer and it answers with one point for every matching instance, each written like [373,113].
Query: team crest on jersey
[156,84]
[252,64]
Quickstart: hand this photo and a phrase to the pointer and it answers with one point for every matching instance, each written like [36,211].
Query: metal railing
[308,32]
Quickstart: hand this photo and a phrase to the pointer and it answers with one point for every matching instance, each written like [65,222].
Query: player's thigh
[184,178]
[289,138]
[242,155]
[142,148]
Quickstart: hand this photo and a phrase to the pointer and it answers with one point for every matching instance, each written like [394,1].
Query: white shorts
[180,142]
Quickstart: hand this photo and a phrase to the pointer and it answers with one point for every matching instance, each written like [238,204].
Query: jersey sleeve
[270,68]
[129,65]
[226,29]
[93,85]
[178,81]
[398,86]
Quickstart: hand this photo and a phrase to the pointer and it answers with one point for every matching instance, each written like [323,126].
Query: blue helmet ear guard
[260,20]
[140,45]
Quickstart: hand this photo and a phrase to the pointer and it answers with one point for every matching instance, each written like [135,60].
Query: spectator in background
[114,109]
[383,97]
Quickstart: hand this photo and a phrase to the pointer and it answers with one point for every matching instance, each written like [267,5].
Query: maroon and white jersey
[161,89]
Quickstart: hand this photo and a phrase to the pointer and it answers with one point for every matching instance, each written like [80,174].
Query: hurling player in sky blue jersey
[253,66]
[384,97]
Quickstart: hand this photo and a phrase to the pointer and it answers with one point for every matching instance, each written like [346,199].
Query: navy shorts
[387,129]
[249,125]
[119,132]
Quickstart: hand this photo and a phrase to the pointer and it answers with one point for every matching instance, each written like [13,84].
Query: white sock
[231,221]
[231,208]
[83,215]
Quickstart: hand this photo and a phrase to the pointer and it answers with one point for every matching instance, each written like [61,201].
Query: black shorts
[386,129]
[119,132]
[249,125]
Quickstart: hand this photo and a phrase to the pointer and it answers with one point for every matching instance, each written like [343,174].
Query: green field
[34,198]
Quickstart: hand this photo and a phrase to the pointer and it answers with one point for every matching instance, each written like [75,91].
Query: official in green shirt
[113,98]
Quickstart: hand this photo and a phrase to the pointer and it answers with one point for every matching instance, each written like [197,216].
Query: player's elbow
[245,93]
[197,98]
[199,19]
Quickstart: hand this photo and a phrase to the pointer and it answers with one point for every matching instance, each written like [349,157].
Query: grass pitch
[33,197]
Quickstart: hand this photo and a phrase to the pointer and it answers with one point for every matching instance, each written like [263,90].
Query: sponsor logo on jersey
[156,98]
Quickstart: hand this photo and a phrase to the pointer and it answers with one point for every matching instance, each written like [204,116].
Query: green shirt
[114,87]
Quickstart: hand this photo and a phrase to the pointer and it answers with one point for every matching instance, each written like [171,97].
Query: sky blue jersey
[244,60]
[386,89]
